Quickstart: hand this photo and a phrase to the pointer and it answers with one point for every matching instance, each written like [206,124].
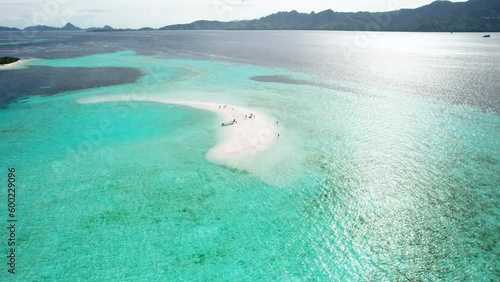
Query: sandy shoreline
[16,65]
[241,140]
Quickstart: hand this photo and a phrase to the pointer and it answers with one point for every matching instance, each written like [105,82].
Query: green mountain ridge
[474,15]
[67,27]
[439,16]
[4,28]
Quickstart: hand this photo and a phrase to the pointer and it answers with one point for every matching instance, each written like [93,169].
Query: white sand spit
[253,131]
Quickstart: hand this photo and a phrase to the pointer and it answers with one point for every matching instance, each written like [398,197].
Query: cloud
[94,11]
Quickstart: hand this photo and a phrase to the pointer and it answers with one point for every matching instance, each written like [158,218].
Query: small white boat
[229,123]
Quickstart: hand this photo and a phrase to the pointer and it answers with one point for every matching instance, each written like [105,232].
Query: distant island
[8,60]
[439,16]
[67,27]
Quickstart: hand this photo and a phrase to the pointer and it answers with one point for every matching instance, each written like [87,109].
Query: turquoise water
[365,183]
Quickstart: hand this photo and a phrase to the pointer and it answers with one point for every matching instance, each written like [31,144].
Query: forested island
[8,60]
[439,16]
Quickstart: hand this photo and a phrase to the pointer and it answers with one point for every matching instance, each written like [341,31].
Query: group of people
[225,107]
[246,116]
[251,115]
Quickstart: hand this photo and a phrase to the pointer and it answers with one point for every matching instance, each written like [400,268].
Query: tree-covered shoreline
[8,60]
[439,16]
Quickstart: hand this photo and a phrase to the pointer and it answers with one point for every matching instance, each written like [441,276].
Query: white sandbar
[241,140]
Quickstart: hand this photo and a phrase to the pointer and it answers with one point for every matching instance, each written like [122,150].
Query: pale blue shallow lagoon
[387,167]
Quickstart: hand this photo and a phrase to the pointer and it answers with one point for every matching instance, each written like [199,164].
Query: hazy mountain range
[67,27]
[473,15]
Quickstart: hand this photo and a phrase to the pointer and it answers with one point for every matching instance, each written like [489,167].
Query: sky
[158,13]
